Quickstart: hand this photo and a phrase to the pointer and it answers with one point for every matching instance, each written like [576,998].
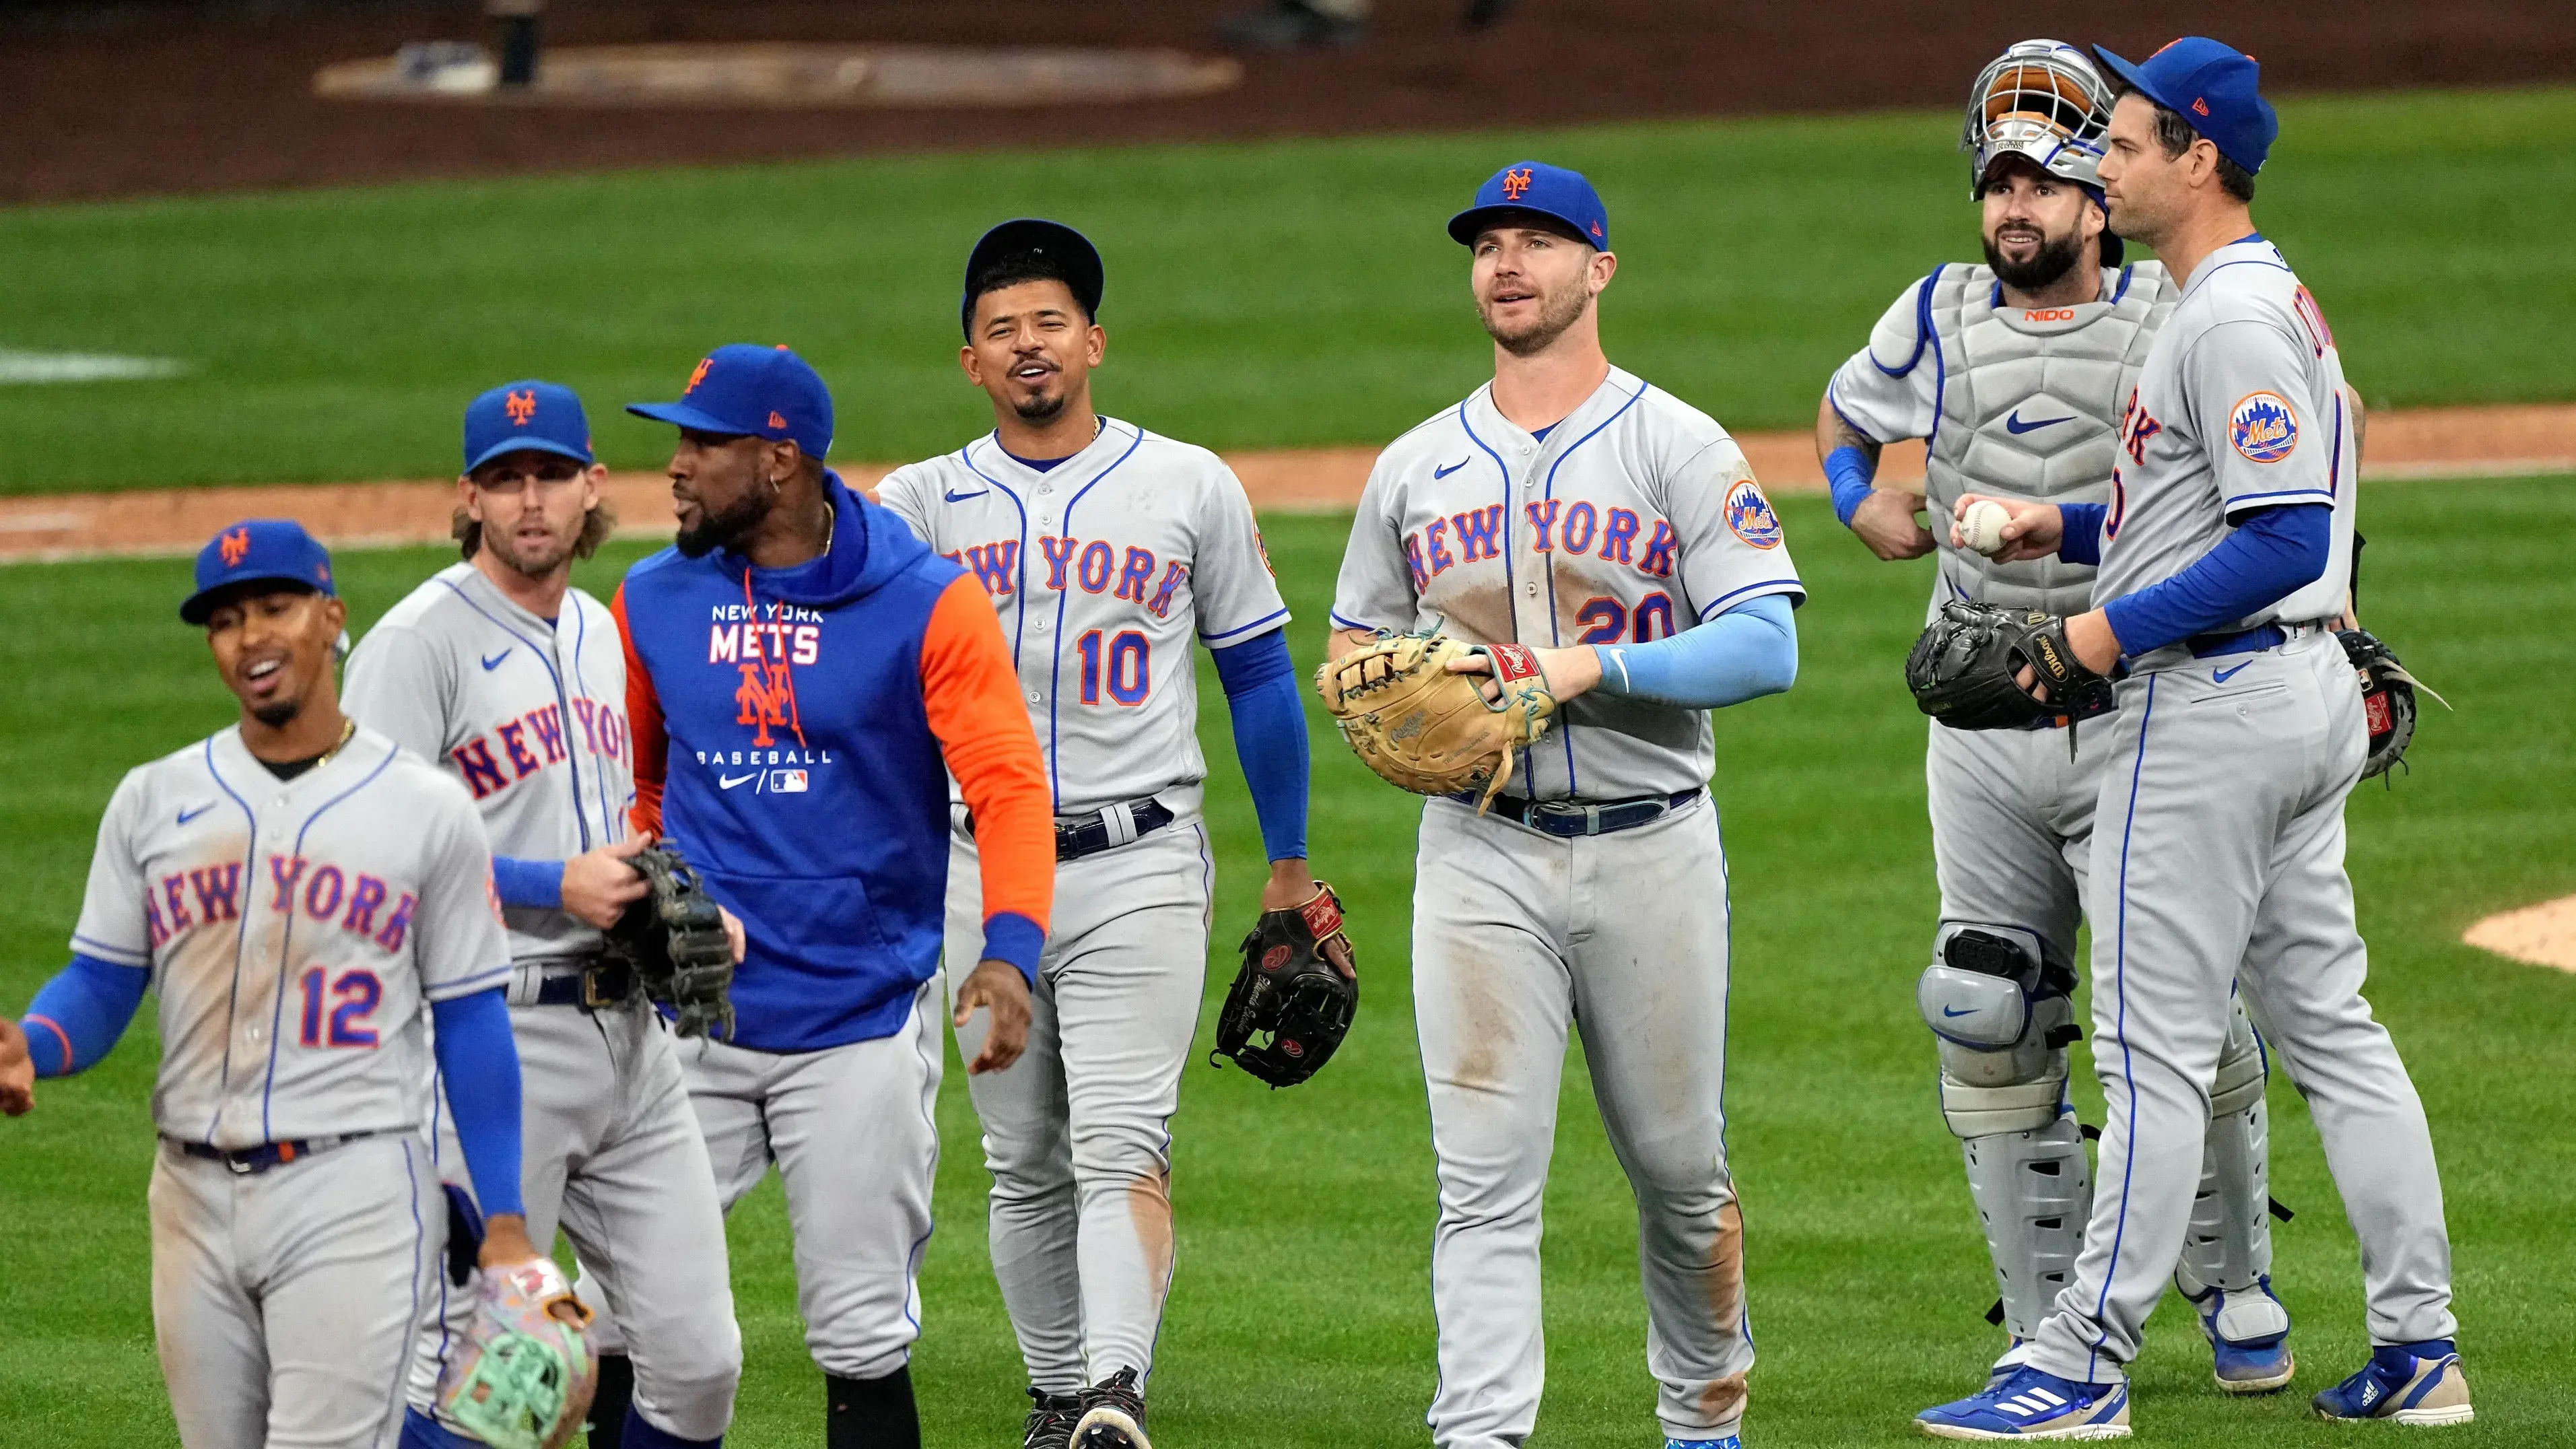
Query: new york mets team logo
[2262,427]
[697,375]
[1750,515]
[521,406]
[235,546]
[1516,183]
[763,698]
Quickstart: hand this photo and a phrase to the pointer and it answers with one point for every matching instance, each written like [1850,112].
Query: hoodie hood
[869,547]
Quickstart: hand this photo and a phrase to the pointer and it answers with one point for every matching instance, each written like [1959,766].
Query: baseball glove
[1965,670]
[673,939]
[2387,699]
[1424,729]
[523,1376]
[1296,984]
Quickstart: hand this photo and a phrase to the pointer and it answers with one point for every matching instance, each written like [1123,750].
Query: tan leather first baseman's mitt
[1424,729]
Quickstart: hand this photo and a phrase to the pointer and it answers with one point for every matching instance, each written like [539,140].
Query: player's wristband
[1849,470]
[526,882]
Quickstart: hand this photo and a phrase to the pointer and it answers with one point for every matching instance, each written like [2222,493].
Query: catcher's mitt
[523,1375]
[1964,670]
[1429,731]
[2387,699]
[673,939]
[1296,984]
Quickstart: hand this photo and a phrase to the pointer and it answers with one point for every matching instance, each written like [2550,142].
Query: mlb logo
[787,782]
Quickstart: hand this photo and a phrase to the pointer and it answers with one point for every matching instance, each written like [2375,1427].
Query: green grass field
[1259,295]
[1301,1313]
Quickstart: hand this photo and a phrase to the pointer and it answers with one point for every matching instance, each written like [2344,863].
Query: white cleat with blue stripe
[2033,1405]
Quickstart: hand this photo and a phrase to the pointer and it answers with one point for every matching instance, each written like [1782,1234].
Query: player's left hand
[2096,647]
[2035,529]
[17,1071]
[998,987]
[733,933]
[1567,673]
[1292,884]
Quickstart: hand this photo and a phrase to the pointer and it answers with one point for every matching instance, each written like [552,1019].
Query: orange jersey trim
[971,695]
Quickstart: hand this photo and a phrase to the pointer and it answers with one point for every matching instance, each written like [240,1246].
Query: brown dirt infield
[2541,935]
[2411,444]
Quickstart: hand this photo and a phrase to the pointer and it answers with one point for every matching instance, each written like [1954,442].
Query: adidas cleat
[2249,1338]
[2033,1405]
[2409,1383]
[2012,1362]
[1729,1442]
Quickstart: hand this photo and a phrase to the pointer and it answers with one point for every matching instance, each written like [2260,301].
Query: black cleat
[1289,25]
[1051,1420]
[1113,1415]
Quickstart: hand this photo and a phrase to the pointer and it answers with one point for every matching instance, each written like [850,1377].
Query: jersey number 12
[346,1026]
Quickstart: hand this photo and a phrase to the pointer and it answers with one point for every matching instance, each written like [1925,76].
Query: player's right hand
[998,987]
[1886,522]
[2035,531]
[17,1071]
[599,884]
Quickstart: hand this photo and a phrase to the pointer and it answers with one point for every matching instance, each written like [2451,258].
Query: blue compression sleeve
[478,1063]
[2081,541]
[1269,714]
[78,1016]
[1745,653]
[527,882]
[2271,553]
[1849,470]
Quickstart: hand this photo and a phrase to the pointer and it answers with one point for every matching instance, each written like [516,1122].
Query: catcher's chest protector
[2030,406]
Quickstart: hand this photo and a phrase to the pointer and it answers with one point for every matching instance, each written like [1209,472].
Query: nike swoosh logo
[1439,472]
[729,781]
[495,661]
[956,497]
[186,815]
[1971,1011]
[2014,425]
[2221,676]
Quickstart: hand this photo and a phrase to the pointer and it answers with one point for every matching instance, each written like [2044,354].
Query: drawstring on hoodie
[786,657]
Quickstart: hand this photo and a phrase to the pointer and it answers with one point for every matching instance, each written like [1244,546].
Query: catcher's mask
[2041,99]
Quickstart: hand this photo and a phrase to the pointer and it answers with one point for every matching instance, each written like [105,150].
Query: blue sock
[640,1434]
[420,1431]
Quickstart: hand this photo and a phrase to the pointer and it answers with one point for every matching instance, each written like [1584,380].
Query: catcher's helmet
[2041,99]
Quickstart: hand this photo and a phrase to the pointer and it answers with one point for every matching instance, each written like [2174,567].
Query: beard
[720,529]
[534,561]
[2054,259]
[1044,408]
[1556,312]
[278,713]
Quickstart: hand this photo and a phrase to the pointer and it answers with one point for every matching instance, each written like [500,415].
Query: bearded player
[2015,371]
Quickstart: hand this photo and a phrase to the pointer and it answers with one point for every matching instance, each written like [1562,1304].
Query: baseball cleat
[1113,1414]
[1729,1442]
[2033,1405]
[1051,1420]
[2249,1337]
[2409,1383]
[2010,1363]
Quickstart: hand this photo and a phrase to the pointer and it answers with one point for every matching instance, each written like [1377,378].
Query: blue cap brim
[201,603]
[1464,227]
[2133,77]
[685,416]
[508,446]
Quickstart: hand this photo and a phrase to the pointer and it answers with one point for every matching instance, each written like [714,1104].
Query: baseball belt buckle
[593,991]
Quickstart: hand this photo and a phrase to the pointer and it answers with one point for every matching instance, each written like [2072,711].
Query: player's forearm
[526,881]
[971,697]
[79,1015]
[2272,554]
[1849,456]
[1268,713]
[478,1064]
[1745,653]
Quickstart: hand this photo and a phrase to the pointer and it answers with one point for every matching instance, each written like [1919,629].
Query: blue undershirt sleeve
[2080,541]
[2271,553]
[77,1017]
[1849,470]
[478,1063]
[1745,653]
[523,881]
[1268,710]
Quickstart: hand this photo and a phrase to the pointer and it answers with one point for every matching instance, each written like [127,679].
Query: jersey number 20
[346,1026]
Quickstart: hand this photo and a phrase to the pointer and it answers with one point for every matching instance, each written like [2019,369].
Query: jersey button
[1033,696]
[1530,589]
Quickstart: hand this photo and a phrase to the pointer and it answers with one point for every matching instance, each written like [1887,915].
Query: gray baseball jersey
[1103,568]
[295,931]
[528,713]
[2018,401]
[1636,517]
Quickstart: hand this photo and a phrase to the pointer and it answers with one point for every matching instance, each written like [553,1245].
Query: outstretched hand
[998,987]
[2035,530]
[17,1071]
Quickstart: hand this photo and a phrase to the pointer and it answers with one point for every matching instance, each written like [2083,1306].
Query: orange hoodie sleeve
[972,697]
[645,734]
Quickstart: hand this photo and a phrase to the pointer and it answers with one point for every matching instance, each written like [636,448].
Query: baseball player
[2222,553]
[1617,533]
[514,683]
[2015,371]
[1105,550]
[803,677]
[305,898]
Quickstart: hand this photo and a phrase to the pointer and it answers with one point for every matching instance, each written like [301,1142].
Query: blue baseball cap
[745,389]
[2214,86]
[526,416]
[258,550]
[1535,186]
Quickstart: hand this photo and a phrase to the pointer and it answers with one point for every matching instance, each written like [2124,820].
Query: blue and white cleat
[2009,1364]
[2249,1338]
[2033,1405]
[2409,1383]
[1729,1442]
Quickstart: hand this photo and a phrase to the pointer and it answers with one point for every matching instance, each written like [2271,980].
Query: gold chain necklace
[348,731]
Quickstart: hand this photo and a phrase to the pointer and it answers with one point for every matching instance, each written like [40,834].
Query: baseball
[1982,526]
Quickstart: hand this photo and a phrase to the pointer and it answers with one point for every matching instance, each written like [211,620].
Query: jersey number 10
[1126,668]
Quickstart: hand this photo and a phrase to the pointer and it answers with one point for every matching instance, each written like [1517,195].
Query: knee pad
[2001,1016]
[2241,1069]
[1975,1110]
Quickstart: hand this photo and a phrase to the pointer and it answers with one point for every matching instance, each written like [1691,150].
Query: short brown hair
[2175,133]
[596,526]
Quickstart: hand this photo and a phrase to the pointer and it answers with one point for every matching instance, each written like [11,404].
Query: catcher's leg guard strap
[2229,1243]
[2034,1192]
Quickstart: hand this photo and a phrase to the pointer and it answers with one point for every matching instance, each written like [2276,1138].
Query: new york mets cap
[2215,87]
[744,389]
[255,551]
[1051,247]
[526,416]
[1535,186]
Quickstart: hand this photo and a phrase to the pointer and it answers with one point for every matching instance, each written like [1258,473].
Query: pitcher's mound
[784,75]
[2544,935]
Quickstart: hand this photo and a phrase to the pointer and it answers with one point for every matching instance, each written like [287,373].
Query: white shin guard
[2034,1192]
[2229,1244]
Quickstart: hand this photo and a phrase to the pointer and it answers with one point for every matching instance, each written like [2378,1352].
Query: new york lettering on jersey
[1103,568]
[1636,517]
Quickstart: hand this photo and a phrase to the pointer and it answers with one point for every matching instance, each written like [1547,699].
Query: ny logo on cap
[698,375]
[521,406]
[1516,183]
[236,546]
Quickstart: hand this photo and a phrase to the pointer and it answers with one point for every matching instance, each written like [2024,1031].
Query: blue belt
[252,1161]
[2243,641]
[1568,819]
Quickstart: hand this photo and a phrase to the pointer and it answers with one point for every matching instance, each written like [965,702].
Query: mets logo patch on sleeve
[2263,428]
[1750,515]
